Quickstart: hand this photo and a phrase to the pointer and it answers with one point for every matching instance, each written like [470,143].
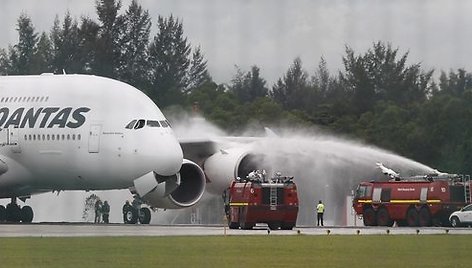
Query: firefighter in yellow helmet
[320,208]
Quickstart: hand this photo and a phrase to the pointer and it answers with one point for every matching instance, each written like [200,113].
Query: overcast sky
[271,33]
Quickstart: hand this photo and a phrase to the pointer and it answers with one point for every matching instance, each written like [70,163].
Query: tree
[249,86]
[133,64]
[21,54]
[378,75]
[88,39]
[42,59]
[169,61]
[4,62]
[197,74]
[66,46]
[108,46]
[291,91]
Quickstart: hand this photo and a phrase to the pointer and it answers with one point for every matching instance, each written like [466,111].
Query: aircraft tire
[27,214]
[131,216]
[13,213]
[144,216]
[3,213]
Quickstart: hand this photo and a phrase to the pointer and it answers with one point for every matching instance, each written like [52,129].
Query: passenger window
[140,124]
[131,124]
[152,123]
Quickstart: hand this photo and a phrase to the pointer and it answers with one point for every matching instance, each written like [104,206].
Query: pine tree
[169,61]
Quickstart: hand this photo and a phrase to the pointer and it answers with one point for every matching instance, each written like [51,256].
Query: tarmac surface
[102,230]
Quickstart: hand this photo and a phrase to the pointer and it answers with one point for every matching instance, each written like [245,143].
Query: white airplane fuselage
[68,132]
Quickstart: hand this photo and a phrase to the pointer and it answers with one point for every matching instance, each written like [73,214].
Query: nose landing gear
[134,213]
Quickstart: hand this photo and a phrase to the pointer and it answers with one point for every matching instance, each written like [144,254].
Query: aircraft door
[10,137]
[4,136]
[94,138]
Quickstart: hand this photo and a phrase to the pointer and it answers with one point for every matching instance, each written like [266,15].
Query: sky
[272,33]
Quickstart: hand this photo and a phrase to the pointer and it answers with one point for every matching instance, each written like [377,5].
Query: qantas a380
[82,132]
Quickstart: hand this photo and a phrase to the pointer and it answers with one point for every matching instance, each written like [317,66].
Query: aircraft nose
[170,156]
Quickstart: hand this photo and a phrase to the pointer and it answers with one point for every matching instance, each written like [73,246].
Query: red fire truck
[259,200]
[416,201]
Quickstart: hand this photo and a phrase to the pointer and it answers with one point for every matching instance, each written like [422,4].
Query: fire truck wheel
[455,222]
[370,219]
[274,225]
[246,225]
[383,218]
[233,225]
[424,217]
[287,226]
[412,217]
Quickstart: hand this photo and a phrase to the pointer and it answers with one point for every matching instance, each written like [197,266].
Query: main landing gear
[14,213]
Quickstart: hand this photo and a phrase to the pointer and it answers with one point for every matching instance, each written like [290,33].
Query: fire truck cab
[258,199]
[417,201]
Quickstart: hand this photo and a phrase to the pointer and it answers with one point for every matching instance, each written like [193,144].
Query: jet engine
[181,190]
[226,165]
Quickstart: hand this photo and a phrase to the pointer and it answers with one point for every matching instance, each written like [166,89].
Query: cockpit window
[153,123]
[164,123]
[140,124]
[131,124]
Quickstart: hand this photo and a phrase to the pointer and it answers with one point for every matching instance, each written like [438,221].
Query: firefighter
[98,212]
[320,208]
[105,212]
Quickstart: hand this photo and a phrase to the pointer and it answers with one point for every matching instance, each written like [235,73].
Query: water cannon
[389,172]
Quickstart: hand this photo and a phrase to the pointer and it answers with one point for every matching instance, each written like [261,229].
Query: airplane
[84,132]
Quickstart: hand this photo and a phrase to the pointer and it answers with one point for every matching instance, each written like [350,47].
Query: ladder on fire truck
[273,195]
[467,192]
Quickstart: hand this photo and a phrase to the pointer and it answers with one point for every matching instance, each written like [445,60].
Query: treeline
[377,97]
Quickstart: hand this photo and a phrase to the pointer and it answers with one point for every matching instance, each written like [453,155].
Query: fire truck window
[385,195]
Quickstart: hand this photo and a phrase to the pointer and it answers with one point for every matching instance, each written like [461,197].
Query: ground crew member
[106,212]
[98,208]
[320,210]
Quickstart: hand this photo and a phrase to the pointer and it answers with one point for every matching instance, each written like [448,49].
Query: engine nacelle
[181,190]
[224,166]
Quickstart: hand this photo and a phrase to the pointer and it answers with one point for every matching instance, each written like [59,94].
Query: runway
[107,230]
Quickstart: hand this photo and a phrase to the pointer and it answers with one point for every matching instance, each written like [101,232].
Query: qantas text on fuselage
[43,117]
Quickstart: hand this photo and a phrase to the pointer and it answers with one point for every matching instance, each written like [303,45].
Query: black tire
[412,217]
[144,216]
[383,218]
[233,225]
[424,217]
[369,216]
[274,225]
[27,214]
[131,216]
[455,222]
[3,213]
[287,226]
[13,213]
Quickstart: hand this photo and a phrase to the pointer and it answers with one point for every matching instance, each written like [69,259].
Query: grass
[240,251]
